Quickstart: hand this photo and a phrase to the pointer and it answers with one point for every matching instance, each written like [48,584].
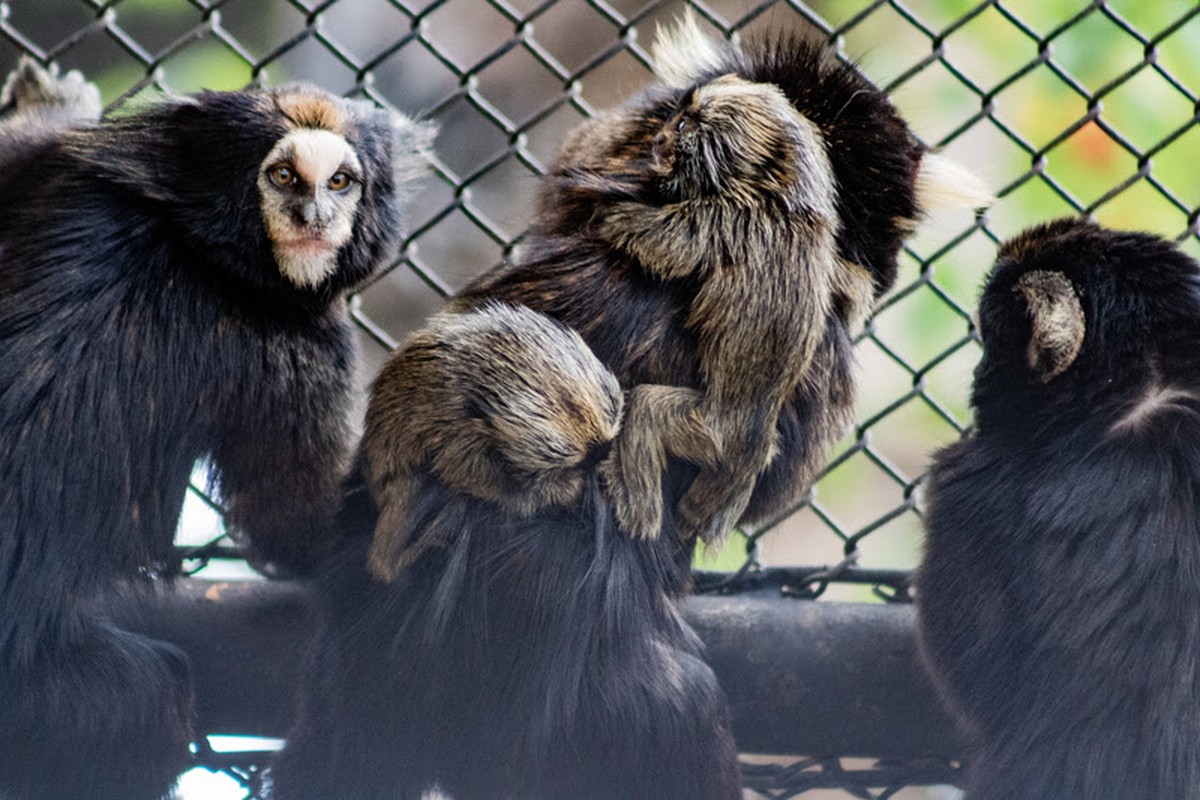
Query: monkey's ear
[1056,319]
[413,146]
[34,88]
[682,52]
[393,540]
[945,184]
[389,136]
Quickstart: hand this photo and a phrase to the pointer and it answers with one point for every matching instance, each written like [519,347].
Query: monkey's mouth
[308,245]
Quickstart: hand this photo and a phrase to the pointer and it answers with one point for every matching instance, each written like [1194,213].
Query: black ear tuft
[1056,319]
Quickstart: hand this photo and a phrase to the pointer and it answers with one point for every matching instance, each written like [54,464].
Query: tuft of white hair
[944,184]
[682,52]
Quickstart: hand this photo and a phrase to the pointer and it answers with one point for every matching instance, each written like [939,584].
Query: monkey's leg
[357,719]
[659,421]
[399,539]
[390,546]
[94,712]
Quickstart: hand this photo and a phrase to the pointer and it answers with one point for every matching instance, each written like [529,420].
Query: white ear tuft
[416,135]
[414,147]
[945,184]
[683,51]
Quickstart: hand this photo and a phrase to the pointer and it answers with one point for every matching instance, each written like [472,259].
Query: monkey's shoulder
[636,325]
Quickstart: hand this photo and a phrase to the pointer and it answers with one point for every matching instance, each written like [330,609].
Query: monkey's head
[1084,321]
[780,124]
[310,188]
[290,188]
[500,404]
[538,409]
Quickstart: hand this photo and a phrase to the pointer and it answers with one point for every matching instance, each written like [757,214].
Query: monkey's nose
[311,216]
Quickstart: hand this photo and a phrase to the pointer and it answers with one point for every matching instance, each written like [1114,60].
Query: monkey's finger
[635,490]
[713,505]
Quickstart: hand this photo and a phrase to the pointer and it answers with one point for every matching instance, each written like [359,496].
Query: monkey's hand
[660,421]
[34,88]
[714,503]
[395,545]
[281,501]
[719,495]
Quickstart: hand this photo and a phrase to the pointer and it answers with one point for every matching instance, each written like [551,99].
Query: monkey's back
[637,326]
[634,323]
[1060,604]
[538,658]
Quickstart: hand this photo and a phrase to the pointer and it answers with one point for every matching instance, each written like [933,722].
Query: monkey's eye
[282,176]
[339,182]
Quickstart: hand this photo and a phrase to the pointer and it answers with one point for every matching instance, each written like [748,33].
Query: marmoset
[1059,596]
[726,231]
[523,646]
[172,287]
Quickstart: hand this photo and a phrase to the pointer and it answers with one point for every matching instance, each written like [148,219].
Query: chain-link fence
[1062,106]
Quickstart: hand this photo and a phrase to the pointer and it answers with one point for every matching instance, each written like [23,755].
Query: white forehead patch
[315,154]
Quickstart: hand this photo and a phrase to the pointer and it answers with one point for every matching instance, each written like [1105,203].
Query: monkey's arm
[966,631]
[660,421]
[760,311]
[280,473]
[970,615]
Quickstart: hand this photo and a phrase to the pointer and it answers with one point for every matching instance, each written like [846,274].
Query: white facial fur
[308,222]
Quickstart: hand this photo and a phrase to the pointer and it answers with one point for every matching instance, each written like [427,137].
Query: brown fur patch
[500,404]
[308,109]
[1057,320]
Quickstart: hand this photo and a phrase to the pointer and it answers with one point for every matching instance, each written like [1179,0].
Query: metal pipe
[802,677]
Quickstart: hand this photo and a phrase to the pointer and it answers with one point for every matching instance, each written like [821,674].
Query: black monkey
[171,287]
[725,232]
[519,644]
[1060,591]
